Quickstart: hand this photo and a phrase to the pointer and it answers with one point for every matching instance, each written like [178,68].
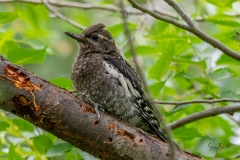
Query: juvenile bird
[100,72]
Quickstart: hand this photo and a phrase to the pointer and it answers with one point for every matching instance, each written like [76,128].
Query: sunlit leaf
[6,17]
[185,133]
[59,149]
[62,82]
[117,29]
[26,56]
[12,154]
[9,45]
[42,143]
[219,74]
[224,20]
[23,125]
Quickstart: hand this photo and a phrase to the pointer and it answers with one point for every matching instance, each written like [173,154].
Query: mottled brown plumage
[100,72]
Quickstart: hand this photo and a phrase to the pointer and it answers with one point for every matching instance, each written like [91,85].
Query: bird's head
[94,38]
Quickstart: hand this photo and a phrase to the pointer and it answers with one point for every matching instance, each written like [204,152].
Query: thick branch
[204,114]
[60,113]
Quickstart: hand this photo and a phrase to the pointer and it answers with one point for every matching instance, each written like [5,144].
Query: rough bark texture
[60,113]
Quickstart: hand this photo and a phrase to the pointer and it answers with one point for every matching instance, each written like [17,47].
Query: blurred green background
[178,66]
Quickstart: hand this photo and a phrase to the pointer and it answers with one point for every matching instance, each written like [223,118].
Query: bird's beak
[78,37]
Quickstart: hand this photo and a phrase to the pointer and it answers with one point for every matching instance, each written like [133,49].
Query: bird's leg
[88,99]
[73,90]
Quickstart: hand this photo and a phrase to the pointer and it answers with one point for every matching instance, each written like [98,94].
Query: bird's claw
[93,103]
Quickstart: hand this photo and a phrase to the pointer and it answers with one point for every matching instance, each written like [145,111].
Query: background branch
[204,114]
[215,43]
[167,131]
[196,101]
[61,16]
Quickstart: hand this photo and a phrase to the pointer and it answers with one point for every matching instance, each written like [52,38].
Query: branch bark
[60,113]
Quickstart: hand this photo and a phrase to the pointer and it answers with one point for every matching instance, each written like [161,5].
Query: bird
[107,79]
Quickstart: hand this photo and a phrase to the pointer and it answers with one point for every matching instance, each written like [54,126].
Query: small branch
[85,6]
[191,28]
[181,12]
[134,55]
[109,8]
[61,16]
[204,114]
[196,101]
[158,16]
[132,49]
[238,35]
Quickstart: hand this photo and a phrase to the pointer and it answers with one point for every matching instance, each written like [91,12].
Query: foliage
[178,65]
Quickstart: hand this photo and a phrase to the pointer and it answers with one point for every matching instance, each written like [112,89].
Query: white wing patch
[126,84]
[115,73]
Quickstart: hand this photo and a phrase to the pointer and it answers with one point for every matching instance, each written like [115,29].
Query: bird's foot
[88,99]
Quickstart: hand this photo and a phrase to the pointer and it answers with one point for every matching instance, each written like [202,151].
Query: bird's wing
[128,78]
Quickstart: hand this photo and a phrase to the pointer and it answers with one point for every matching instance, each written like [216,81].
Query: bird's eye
[94,37]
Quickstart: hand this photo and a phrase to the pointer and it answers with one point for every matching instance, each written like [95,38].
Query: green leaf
[36,16]
[143,50]
[224,20]
[117,29]
[42,143]
[220,74]
[156,88]
[168,37]
[186,134]
[6,17]
[3,126]
[12,154]
[71,156]
[9,45]
[62,82]
[221,3]
[23,125]
[26,56]
[229,94]
[158,70]
[231,63]
[59,149]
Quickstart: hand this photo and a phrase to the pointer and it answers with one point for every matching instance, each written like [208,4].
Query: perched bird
[101,73]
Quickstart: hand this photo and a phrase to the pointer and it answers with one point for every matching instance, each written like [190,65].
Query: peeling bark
[60,113]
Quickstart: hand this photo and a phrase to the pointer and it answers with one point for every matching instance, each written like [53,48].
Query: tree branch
[60,113]
[61,16]
[204,114]
[191,28]
[196,101]
[167,131]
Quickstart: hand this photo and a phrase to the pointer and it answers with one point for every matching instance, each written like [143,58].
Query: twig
[109,8]
[238,35]
[133,52]
[86,6]
[204,114]
[196,101]
[191,28]
[181,12]
[61,16]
